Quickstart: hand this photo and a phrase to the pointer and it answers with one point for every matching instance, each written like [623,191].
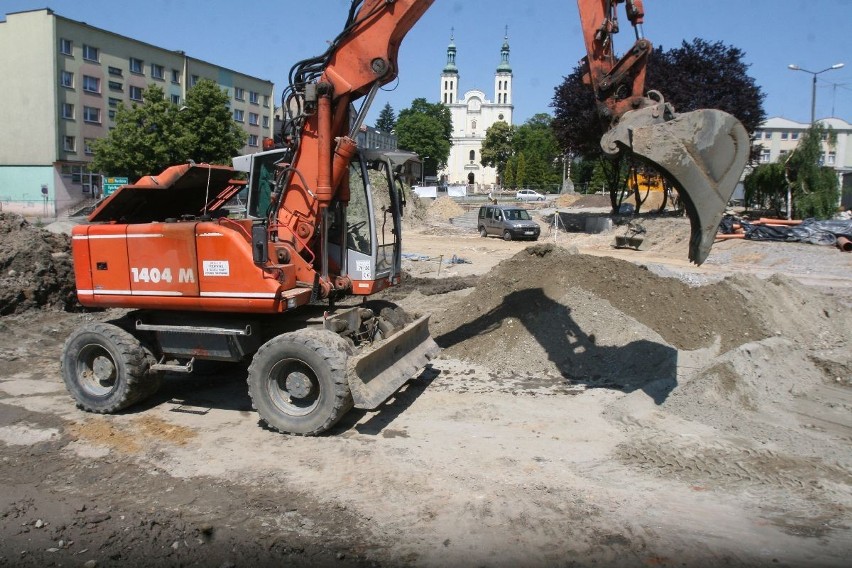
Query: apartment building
[780,136]
[65,79]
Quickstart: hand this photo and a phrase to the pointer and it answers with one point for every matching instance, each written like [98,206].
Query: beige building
[65,79]
[779,136]
[472,114]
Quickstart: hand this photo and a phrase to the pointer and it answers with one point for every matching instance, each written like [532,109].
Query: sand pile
[35,267]
[548,311]
[445,208]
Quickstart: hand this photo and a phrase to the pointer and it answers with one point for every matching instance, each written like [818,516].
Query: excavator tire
[297,381]
[106,369]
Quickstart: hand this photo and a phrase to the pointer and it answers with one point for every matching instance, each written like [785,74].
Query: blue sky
[544,36]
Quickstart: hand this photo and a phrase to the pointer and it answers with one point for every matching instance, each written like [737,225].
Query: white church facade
[472,114]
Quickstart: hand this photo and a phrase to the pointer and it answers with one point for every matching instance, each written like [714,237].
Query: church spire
[504,66]
[450,67]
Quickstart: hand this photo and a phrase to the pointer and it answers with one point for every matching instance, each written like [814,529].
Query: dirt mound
[445,208]
[592,200]
[35,267]
[567,199]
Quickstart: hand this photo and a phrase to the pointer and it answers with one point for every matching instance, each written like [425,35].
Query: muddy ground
[591,407]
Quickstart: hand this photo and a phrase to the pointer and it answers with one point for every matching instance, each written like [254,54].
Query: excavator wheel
[106,369]
[297,381]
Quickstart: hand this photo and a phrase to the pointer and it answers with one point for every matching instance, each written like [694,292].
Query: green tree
[815,187]
[509,173]
[521,171]
[535,139]
[148,138]
[497,146]
[387,119]
[214,136]
[766,187]
[426,128]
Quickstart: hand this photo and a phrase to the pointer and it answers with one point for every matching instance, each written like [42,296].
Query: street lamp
[795,67]
[423,171]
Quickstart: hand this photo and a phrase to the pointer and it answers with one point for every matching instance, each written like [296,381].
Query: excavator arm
[702,153]
[320,131]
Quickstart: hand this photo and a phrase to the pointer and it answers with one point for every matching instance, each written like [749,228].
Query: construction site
[590,406]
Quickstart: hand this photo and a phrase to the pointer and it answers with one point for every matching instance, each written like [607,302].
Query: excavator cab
[370,223]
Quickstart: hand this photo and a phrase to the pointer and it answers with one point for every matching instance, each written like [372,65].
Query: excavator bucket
[379,372]
[702,153]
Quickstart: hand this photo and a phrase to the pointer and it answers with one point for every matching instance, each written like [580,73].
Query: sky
[264,38]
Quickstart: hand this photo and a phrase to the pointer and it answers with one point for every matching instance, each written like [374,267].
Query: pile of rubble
[36,269]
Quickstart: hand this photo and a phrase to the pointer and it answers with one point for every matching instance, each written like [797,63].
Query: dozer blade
[375,375]
[703,153]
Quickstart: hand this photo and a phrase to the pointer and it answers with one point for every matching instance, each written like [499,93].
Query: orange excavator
[322,223]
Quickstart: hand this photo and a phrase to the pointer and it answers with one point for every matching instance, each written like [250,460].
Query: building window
[239,115]
[69,143]
[767,135]
[157,71]
[764,156]
[111,114]
[499,117]
[830,159]
[135,93]
[136,66]
[68,111]
[91,53]
[92,114]
[91,84]
[266,122]
[115,86]
[254,118]
[473,126]
[254,97]
[785,135]
[193,80]
[114,103]
[266,101]
[87,146]
[66,79]
[175,76]
[116,72]
[239,93]
[252,140]
[794,136]
[65,46]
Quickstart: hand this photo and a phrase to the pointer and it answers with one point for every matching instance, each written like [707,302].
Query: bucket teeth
[702,153]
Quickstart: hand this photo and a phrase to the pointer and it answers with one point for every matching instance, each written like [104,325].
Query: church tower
[450,76]
[472,114]
[503,75]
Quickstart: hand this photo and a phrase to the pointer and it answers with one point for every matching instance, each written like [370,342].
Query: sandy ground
[568,428]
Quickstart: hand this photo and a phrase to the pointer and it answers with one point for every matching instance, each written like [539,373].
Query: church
[472,115]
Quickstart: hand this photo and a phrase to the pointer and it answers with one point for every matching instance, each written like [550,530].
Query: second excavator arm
[702,153]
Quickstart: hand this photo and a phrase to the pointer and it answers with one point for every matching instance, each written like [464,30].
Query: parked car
[528,195]
[508,222]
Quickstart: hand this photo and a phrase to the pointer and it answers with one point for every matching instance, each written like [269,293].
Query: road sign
[110,184]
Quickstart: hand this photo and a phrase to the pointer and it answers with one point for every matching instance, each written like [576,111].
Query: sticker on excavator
[377,374]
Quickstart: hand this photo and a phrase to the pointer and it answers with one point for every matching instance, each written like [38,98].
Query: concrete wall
[20,190]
